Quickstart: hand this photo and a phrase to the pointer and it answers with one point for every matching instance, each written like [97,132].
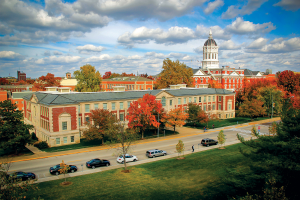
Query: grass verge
[200,176]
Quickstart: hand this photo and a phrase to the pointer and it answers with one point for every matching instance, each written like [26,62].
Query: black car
[22,176]
[55,169]
[97,163]
[208,141]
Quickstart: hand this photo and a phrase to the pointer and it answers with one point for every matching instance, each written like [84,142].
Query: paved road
[41,166]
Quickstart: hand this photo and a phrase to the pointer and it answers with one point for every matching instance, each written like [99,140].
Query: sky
[135,36]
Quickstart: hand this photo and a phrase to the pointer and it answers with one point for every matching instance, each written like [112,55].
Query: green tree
[273,158]
[64,168]
[253,108]
[271,97]
[122,139]
[180,148]
[174,72]
[221,138]
[13,131]
[99,125]
[89,80]
[193,110]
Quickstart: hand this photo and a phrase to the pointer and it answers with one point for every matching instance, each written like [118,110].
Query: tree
[273,129]
[3,81]
[273,158]
[192,111]
[176,117]
[30,81]
[252,108]
[214,84]
[125,74]
[124,137]
[21,82]
[271,96]
[13,131]
[179,148]
[221,138]
[88,78]
[174,73]
[140,113]
[146,76]
[100,122]
[64,168]
[289,81]
[46,81]
[202,117]
[10,188]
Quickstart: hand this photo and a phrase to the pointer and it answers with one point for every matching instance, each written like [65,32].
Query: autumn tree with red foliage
[141,113]
[289,81]
[124,74]
[202,117]
[146,76]
[176,117]
[3,81]
[108,75]
[46,81]
[214,84]
[99,125]
[30,81]
[21,82]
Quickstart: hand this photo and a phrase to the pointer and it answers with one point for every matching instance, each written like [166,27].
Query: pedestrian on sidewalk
[193,148]
[204,129]
[213,126]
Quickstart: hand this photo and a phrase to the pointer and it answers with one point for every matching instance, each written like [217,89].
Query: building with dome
[225,76]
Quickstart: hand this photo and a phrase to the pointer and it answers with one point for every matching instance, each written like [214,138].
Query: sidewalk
[183,132]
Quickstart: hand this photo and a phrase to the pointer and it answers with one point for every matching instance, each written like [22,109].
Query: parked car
[155,152]
[55,169]
[22,176]
[208,141]
[97,163]
[128,158]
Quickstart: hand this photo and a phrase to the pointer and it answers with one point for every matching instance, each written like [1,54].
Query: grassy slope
[199,176]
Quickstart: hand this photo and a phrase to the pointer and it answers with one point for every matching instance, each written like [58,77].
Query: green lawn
[85,143]
[200,176]
[225,122]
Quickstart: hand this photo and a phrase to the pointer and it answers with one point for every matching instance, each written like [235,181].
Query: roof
[76,98]
[248,72]
[128,78]
[210,42]
[20,95]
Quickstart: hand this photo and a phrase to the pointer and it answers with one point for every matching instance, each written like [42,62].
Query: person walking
[213,126]
[193,148]
[204,129]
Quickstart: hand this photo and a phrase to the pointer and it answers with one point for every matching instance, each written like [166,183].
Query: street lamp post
[158,125]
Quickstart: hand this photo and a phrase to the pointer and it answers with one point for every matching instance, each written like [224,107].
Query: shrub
[33,136]
[41,145]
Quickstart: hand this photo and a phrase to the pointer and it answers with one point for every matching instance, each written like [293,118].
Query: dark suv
[155,152]
[208,141]
[22,176]
[97,163]
[55,169]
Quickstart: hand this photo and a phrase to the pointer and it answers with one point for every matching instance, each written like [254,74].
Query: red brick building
[130,83]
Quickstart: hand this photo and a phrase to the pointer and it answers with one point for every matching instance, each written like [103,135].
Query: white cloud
[57,53]
[135,57]
[287,63]
[58,60]
[234,11]
[11,55]
[213,5]
[47,53]
[143,35]
[239,26]
[89,48]
[217,32]
[258,43]
[156,55]
[229,45]
[293,5]
[92,59]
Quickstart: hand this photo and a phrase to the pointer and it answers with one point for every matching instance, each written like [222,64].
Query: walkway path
[183,132]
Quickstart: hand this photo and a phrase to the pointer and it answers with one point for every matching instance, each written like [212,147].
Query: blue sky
[59,36]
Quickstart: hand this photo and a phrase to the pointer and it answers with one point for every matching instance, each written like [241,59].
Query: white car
[128,158]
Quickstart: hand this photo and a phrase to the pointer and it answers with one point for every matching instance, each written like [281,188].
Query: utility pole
[158,125]
[272,106]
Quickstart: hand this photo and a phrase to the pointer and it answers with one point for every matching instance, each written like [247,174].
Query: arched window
[163,101]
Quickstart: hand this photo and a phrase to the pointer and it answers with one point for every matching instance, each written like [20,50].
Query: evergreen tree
[14,133]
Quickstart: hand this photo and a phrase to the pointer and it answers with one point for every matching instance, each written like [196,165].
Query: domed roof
[210,41]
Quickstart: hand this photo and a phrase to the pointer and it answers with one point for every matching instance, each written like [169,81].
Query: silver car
[155,152]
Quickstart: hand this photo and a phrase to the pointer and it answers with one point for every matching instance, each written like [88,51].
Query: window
[219,107]
[128,104]
[229,106]
[170,102]
[65,140]
[179,101]
[79,121]
[199,99]
[113,106]
[208,98]
[204,99]
[213,107]
[96,106]
[121,105]
[121,116]
[163,101]
[204,107]
[213,98]
[184,100]
[72,138]
[190,99]
[57,140]
[87,107]
[220,98]
[64,125]
[87,119]
[195,99]
[105,106]
[79,109]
